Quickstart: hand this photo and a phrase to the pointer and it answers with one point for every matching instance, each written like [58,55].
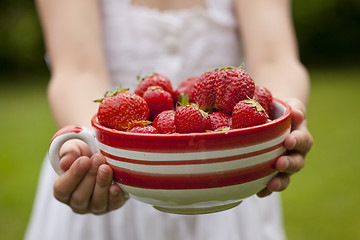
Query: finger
[299,140]
[279,182]
[68,159]
[298,112]
[71,150]
[117,197]
[264,193]
[65,184]
[81,196]
[291,163]
[296,105]
[297,117]
[99,200]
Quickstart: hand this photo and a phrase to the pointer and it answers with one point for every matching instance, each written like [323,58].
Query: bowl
[197,172]
[192,173]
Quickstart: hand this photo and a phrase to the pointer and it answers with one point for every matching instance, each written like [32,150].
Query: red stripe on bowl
[193,181]
[196,142]
[191,161]
[193,142]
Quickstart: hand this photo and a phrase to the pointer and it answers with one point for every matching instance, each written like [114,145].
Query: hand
[298,144]
[87,184]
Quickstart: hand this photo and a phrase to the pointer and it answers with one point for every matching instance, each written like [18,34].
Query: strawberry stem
[112,93]
[183,100]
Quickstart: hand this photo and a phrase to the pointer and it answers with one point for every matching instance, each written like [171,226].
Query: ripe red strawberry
[248,113]
[165,122]
[154,79]
[143,129]
[232,86]
[221,89]
[186,88]
[204,94]
[158,100]
[263,96]
[120,108]
[219,120]
[189,119]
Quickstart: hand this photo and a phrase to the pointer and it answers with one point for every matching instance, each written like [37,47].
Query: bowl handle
[65,134]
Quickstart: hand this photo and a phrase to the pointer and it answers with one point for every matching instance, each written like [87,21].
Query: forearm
[71,97]
[285,79]
[270,47]
[79,75]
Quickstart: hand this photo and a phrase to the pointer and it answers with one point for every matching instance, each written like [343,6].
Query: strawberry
[263,96]
[221,89]
[158,100]
[190,119]
[248,113]
[219,120]
[143,129]
[118,109]
[232,86]
[204,93]
[186,88]
[165,122]
[154,79]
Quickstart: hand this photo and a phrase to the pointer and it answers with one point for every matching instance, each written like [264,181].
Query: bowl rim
[110,131]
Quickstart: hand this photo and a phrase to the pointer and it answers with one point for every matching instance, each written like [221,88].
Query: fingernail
[286,165]
[97,160]
[290,143]
[114,191]
[264,193]
[103,174]
[292,146]
[278,187]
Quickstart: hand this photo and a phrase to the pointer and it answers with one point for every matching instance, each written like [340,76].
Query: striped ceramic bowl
[187,173]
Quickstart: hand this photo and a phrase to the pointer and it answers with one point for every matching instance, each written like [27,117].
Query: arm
[271,52]
[78,73]
[72,33]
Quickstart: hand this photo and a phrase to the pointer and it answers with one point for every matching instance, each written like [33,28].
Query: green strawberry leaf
[183,100]
[112,93]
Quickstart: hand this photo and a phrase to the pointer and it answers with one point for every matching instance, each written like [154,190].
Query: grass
[26,127]
[321,202]
[323,199]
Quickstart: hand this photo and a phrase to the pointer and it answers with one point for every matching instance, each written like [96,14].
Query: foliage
[328,33]
[21,45]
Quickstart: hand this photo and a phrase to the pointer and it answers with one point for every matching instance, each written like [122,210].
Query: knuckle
[310,141]
[117,202]
[297,164]
[78,202]
[92,172]
[61,198]
[104,179]
[98,209]
[60,194]
[78,210]
[285,183]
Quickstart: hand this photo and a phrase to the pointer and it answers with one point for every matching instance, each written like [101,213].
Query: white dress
[179,44]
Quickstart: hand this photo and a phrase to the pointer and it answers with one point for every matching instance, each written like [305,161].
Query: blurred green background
[322,200]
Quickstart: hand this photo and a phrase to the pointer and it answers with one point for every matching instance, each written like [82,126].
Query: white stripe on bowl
[193,198]
[200,168]
[151,156]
